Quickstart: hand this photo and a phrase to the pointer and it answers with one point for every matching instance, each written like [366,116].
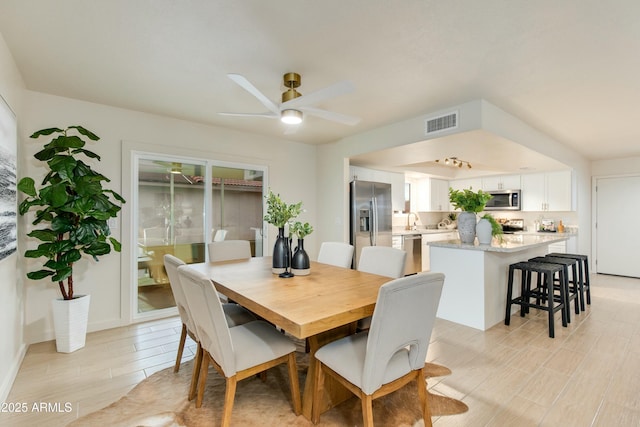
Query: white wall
[333,161]
[291,169]
[12,343]
[626,166]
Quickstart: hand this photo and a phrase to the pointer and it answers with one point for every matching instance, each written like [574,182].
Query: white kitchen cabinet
[434,237]
[464,184]
[439,200]
[501,182]
[549,191]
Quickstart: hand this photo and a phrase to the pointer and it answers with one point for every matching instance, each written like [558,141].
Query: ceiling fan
[294,104]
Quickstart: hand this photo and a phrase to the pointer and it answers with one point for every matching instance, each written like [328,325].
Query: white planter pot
[483,231]
[70,318]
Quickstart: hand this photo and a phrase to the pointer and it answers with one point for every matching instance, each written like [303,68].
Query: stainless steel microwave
[504,200]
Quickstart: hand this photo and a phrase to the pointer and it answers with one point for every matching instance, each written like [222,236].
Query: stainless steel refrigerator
[371,215]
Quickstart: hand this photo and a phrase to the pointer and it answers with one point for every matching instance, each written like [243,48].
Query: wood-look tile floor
[589,375]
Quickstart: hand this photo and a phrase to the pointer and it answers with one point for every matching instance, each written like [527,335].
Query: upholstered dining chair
[392,353]
[384,261]
[236,353]
[234,314]
[336,253]
[227,250]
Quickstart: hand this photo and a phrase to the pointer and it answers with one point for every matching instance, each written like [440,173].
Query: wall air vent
[440,123]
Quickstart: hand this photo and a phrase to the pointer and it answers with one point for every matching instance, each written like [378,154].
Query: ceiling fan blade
[320,95]
[331,115]
[246,85]
[268,115]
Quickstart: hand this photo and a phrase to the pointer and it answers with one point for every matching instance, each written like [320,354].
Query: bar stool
[583,271]
[545,292]
[571,292]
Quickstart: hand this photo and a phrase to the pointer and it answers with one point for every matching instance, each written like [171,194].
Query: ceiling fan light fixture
[291,117]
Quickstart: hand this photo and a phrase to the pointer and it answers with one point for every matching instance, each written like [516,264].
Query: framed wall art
[8,197]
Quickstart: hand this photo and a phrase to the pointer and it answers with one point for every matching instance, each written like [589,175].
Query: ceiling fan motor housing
[291,81]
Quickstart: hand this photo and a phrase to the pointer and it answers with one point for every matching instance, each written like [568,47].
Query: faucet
[414,227]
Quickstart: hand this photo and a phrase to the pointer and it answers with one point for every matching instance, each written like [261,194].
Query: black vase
[300,265]
[280,253]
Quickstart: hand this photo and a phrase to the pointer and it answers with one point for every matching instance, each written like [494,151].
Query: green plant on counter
[496,228]
[74,204]
[301,230]
[278,212]
[452,216]
[468,200]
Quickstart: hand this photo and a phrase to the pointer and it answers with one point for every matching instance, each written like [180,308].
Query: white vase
[483,231]
[467,227]
[70,318]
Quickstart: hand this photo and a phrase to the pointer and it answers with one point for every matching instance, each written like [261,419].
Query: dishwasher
[412,245]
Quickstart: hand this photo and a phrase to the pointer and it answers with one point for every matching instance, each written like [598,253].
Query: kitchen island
[475,285]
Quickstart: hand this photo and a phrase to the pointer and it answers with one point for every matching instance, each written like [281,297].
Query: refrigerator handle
[374,212]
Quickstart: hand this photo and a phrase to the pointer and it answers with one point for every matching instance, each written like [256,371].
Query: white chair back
[209,318]
[171,264]
[220,236]
[336,253]
[404,316]
[382,260]
[229,250]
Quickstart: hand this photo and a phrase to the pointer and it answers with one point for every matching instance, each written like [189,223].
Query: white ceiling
[569,68]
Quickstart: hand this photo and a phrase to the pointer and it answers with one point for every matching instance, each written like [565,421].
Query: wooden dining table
[321,307]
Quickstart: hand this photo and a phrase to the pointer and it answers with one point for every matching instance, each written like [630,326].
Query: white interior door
[618,226]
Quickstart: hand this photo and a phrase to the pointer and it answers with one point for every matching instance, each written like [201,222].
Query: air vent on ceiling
[440,123]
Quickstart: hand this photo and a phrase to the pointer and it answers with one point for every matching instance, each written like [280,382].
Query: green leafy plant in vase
[470,202]
[279,214]
[300,264]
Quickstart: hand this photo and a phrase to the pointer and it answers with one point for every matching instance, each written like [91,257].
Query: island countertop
[509,243]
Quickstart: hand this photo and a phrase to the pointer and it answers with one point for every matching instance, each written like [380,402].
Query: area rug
[161,400]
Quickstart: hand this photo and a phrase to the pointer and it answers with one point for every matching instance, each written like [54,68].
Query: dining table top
[304,306]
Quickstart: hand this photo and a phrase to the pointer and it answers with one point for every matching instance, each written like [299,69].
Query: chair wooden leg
[317,392]
[424,398]
[229,396]
[367,410]
[294,383]
[183,339]
[195,374]
[204,371]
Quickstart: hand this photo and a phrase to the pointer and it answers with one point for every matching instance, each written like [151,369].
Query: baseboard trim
[8,381]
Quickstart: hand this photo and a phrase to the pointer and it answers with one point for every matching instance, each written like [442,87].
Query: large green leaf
[45,235]
[87,153]
[62,274]
[28,186]
[92,136]
[116,244]
[37,253]
[56,265]
[97,248]
[56,196]
[85,186]
[48,153]
[117,196]
[62,224]
[64,166]
[40,274]
[46,132]
[71,256]
[66,142]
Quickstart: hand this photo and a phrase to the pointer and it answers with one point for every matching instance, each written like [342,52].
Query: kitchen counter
[475,285]
[421,231]
[509,242]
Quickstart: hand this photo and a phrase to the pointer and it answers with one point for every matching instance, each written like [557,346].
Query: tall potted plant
[470,202]
[73,209]
[279,214]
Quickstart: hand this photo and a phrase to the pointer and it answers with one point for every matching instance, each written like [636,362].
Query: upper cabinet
[429,194]
[549,191]
[461,184]
[439,201]
[395,179]
[501,182]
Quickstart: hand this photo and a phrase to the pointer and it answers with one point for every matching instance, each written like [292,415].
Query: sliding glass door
[181,205]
